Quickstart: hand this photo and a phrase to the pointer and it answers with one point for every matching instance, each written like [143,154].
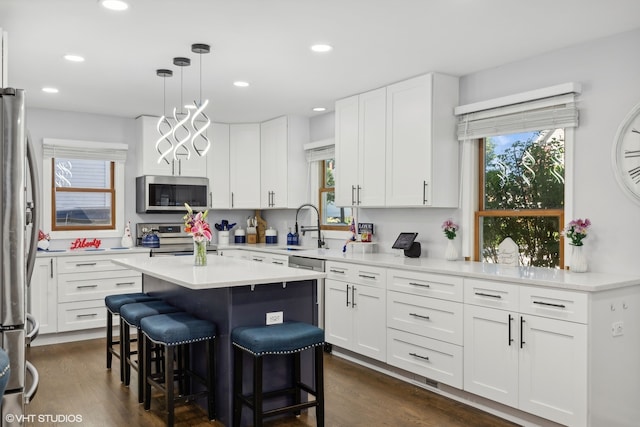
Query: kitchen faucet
[316,228]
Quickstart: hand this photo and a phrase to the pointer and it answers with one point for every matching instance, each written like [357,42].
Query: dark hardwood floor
[75,382]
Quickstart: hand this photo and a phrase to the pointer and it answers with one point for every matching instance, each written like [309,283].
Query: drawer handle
[550,304]
[424,285]
[86,286]
[336,271]
[258,259]
[277,262]
[419,316]
[87,315]
[418,356]
[366,276]
[125,283]
[86,264]
[482,294]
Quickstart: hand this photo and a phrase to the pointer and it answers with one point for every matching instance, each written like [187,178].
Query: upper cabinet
[396,146]
[147,136]
[282,162]
[421,147]
[360,148]
[244,164]
[218,170]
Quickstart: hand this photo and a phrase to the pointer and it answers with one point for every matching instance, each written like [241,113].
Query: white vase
[451,253]
[578,262]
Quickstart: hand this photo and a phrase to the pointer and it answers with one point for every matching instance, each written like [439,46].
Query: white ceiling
[266,42]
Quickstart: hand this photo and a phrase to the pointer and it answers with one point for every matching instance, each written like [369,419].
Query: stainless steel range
[173,240]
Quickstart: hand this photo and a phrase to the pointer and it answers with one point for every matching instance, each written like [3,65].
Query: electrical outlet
[617,329]
[275,317]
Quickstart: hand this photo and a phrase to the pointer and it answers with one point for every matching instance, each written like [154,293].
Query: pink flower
[196,225]
[576,230]
[450,228]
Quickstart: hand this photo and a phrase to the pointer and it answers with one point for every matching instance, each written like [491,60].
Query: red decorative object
[43,236]
[84,243]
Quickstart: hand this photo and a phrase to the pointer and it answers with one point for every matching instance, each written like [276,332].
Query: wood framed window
[332,217]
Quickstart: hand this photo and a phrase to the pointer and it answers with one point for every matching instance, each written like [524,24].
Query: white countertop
[100,251]
[537,276]
[220,272]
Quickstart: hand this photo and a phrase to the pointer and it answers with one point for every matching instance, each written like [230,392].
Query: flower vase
[578,260]
[451,253]
[199,252]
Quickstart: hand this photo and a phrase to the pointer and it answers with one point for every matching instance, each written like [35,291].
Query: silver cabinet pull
[424,285]
[277,262]
[86,264]
[331,270]
[521,332]
[258,259]
[482,294]
[424,192]
[353,199]
[87,315]
[548,304]
[125,283]
[86,286]
[419,356]
[353,296]
[510,339]
[366,276]
[358,195]
[419,316]
[347,295]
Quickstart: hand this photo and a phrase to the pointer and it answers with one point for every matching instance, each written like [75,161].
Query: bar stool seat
[178,331]
[289,338]
[131,315]
[113,304]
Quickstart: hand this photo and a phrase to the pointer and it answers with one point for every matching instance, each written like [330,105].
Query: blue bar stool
[5,371]
[178,330]
[113,303]
[289,338]
[131,315]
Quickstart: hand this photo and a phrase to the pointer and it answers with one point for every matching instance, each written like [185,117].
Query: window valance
[86,150]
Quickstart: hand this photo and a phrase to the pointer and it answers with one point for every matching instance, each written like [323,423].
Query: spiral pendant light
[199,141]
[163,126]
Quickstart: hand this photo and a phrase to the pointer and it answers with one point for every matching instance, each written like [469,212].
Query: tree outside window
[522,196]
[332,217]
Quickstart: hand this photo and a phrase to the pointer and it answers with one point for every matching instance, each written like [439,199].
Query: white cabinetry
[267,258]
[244,164]
[42,295]
[83,282]
[218,167]
[526,347]
[360,147]
[421,146]
[283,162]
[425,325]
[147,135]
[4,56]
[355,308]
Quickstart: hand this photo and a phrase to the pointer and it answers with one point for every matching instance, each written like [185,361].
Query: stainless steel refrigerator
[18,244]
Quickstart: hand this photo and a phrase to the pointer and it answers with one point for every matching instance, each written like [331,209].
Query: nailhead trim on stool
[178,330]
[289,338]
[131,315]
[113,304]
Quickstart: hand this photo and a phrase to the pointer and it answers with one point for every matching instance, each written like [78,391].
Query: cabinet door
[490,356]
[339,315]
[218,167]
[371,148]
[553,370]
[346,140]
[273,163]
[408,148]
[43,295]
[369,321]
[245,165]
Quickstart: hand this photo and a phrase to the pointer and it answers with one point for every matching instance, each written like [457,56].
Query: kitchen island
[231,292]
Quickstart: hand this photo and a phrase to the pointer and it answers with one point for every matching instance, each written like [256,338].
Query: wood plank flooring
[74,381]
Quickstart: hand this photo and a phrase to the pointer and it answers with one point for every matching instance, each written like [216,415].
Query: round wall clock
[626,154]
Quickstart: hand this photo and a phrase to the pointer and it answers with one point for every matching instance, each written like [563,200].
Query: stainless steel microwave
[168,194]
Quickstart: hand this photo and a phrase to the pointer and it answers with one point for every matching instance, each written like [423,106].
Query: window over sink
[332,217]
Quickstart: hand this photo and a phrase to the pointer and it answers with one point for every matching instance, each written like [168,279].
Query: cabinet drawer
[357,273]
[491,294]
[92,286]
[429,317]
[433,359]
[74,316]
[427,284]
[279,260]
[82,263]
[554,303]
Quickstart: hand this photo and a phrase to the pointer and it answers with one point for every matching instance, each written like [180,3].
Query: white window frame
[119,186]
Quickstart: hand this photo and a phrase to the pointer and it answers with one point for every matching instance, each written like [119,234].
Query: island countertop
[220,272]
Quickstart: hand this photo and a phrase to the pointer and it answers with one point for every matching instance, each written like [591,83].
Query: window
[332,217]
[522,196]
[83,188]
[82,194]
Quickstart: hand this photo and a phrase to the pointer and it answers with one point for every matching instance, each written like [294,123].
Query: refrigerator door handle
[31,393]
[35,328]
[34,178]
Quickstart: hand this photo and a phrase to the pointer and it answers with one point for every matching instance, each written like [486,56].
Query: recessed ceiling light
[115,5]
[319,109]
[321,48]
[240,84]
[74,58]
[50,90]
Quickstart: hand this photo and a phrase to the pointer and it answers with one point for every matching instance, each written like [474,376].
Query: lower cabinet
[43,301]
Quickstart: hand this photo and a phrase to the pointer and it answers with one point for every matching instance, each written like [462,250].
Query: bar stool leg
[211,379]
[168,383]
[147,370]
[237,385]
[319,377]
[120,343]
[109,338]
[296,379]
[257,391]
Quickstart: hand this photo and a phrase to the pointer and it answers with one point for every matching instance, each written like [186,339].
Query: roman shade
[320,150]
[85,150]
